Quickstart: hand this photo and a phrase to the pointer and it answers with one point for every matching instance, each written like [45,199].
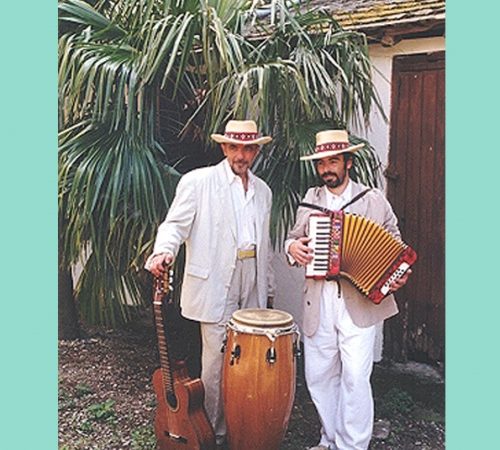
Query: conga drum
[259,377]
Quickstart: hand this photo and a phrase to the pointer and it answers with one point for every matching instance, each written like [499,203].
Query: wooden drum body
[259,378]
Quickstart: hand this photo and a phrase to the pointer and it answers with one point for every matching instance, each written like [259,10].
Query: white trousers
[242,294]
[338,365]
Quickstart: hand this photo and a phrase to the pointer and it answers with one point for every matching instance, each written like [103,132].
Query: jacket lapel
[356,189]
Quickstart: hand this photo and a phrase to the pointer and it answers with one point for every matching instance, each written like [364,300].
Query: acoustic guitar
[181,422]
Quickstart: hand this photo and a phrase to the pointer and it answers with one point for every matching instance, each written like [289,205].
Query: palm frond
[120,62]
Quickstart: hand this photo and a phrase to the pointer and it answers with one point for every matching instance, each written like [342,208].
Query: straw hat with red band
[241,132]
[330,143]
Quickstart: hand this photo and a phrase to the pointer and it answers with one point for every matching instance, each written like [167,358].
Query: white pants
[242,294]
[338,365]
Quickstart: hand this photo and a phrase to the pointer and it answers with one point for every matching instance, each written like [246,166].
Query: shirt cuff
[291,259]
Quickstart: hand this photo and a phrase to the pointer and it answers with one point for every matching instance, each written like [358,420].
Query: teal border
[472,180]
[28,186]
[28,120]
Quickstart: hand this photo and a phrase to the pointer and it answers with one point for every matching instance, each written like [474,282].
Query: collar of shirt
[337,201]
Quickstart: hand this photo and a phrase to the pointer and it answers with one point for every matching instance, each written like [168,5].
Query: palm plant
[143,82]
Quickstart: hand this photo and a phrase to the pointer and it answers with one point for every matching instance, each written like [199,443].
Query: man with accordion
[340,312]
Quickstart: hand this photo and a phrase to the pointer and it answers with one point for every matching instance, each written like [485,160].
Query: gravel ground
[106,400]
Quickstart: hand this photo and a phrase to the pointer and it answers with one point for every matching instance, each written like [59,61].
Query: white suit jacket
[202,216]
[363,312]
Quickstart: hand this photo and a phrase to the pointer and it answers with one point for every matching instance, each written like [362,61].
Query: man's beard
[334,182]
[239,166]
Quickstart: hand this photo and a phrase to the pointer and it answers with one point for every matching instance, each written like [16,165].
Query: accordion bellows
[359,249]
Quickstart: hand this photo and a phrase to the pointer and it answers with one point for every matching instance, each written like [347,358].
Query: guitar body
[181,422]
[186,426]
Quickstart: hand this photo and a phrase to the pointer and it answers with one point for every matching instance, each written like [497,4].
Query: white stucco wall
[290,281]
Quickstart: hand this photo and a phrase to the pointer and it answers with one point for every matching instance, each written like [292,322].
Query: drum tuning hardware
[271,355]
[235,354]
[224,343]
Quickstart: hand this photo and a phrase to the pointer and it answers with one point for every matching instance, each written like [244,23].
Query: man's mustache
[329,173]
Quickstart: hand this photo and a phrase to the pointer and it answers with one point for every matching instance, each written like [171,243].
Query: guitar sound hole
[172,400]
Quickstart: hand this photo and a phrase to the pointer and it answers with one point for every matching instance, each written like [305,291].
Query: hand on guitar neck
[160,263]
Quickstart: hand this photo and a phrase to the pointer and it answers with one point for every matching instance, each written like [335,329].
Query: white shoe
[319,447]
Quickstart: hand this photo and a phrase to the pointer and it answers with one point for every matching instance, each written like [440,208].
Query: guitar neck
[161,294]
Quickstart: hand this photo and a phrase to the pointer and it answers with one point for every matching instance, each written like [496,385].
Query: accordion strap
[356,198]
[329,211]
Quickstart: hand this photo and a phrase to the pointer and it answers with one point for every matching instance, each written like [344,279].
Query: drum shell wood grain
[258,395]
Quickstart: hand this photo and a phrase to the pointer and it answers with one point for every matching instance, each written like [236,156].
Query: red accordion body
[359,249]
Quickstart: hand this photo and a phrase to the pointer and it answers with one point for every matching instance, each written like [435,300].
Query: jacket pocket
[197,271]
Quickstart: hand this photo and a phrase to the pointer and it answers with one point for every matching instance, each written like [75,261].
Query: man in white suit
[222,214]
[339,321]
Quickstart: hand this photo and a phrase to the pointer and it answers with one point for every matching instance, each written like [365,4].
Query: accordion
[359,249]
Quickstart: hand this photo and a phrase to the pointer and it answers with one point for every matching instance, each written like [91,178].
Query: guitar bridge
[176,437]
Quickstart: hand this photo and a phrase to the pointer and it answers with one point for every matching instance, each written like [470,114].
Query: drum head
[263,317]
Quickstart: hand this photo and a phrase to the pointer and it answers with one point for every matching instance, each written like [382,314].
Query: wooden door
[416,183]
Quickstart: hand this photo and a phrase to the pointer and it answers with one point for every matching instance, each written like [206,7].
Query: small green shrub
[86,426]
[143,438]
[102,411]
[83,389]
[395,401]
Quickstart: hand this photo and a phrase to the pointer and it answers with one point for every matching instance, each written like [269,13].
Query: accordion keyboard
[319,232]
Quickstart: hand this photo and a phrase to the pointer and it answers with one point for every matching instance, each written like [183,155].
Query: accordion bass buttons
[396,275]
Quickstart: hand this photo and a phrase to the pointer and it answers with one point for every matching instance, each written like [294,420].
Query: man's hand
[400,282]
[300,251]
[160,263]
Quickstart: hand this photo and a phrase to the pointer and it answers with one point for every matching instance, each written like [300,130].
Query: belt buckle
[245,254]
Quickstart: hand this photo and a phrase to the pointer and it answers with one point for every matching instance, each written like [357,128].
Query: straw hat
[241,132]
[330,143]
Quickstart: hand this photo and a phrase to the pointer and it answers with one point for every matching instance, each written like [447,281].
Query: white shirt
[243,206]
[335,202]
